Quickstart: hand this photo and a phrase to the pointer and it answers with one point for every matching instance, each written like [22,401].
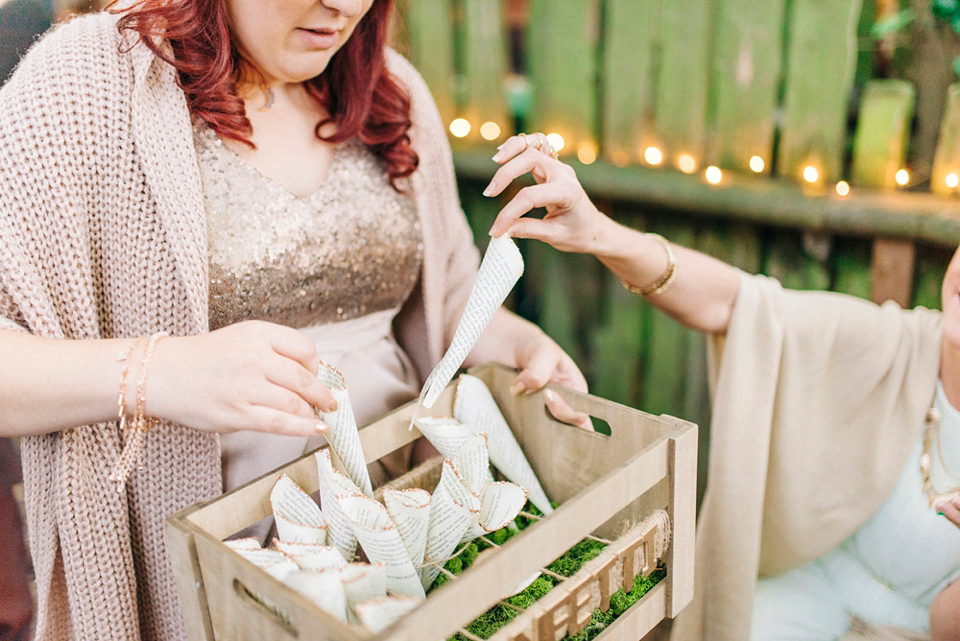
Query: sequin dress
[337,264]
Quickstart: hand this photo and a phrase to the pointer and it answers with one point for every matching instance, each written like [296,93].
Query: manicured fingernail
[334,406]
[548,395]
[518,388]
[498,156]
[489,190]
[500,146]
[321,427]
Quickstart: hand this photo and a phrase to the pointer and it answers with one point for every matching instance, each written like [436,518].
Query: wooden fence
[646,94]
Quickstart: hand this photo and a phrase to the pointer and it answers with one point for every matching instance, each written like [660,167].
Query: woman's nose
[349,8]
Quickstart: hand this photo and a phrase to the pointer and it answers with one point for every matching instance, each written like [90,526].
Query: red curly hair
[356,89]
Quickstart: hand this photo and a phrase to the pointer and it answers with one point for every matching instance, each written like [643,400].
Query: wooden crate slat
[430,29]
[561,45]
[821,61]
[946,161]
[684,78]
[484,67]
[630,35]
[745,81]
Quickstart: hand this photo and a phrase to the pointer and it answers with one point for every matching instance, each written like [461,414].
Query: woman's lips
[320,38]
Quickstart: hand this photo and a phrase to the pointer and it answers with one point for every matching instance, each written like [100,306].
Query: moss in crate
[620,602]
[574,558]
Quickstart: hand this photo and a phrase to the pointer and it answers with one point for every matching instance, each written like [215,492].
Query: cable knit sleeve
[62,124]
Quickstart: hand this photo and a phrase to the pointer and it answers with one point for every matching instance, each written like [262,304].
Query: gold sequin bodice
[351,248]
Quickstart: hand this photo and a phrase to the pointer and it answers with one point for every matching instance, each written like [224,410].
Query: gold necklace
[932,429]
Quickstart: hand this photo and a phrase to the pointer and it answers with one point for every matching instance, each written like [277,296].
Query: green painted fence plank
[745,81]
[617,345]
[851,263]
[664,380]
[630,31]
[946,161]
[788,261]
[684,78]
[430,28]
[484,68]
[821,62]
[883,131]
[562,38]
[928,277]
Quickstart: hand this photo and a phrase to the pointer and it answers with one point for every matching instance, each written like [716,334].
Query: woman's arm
[248,376]
[945,614]
[704,290]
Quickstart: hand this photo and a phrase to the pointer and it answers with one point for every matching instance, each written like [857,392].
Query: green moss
[571,562]
[567,565]
[532,592]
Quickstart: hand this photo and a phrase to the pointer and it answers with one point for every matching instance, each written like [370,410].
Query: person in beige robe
[819,398]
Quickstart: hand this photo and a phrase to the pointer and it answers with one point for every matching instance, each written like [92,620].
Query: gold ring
[553,153]
[526,141]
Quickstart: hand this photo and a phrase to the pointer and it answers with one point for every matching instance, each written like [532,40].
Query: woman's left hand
[950,509]
[514,341]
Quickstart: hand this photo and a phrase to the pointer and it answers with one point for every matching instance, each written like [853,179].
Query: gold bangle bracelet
[666,278]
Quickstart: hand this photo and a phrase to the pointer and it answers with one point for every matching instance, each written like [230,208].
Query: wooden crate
[603,484]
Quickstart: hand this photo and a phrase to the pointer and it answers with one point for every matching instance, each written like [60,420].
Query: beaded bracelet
[135,436]
[666,279]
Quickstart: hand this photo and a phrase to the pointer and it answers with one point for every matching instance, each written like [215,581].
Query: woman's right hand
[248,376]
[572,222]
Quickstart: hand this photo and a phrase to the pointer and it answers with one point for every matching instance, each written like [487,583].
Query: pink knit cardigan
[103,235]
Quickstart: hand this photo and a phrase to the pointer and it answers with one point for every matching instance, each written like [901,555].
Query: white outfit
[888,572]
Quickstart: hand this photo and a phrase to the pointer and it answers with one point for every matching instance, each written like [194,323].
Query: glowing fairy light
[556,141]
[843,188]
[460,127]
[686,163]
[713,175]
[810,174]
[902,177]
[952,181]
[586,154]
[756,164]
[653,156]
[490,130]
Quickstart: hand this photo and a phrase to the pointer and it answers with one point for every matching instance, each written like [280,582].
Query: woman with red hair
[199,200]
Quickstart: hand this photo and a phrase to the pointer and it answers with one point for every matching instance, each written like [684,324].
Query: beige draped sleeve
[817,400]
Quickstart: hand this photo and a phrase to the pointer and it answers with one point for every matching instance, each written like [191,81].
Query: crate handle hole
[570,416]
[270,611]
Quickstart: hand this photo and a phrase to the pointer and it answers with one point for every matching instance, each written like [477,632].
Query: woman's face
[950,300]
[289,41]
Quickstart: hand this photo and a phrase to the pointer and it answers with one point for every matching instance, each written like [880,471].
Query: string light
[952,181]
[686,163]
[460,127]
[586,154]
[810,174]
[556,141]
[902,177]
[757,164]
[653,156]
[490,130]
[713,175]
[843,188]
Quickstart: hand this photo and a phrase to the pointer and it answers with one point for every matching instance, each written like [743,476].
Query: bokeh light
[490,130]
[713,174]
[460,127]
